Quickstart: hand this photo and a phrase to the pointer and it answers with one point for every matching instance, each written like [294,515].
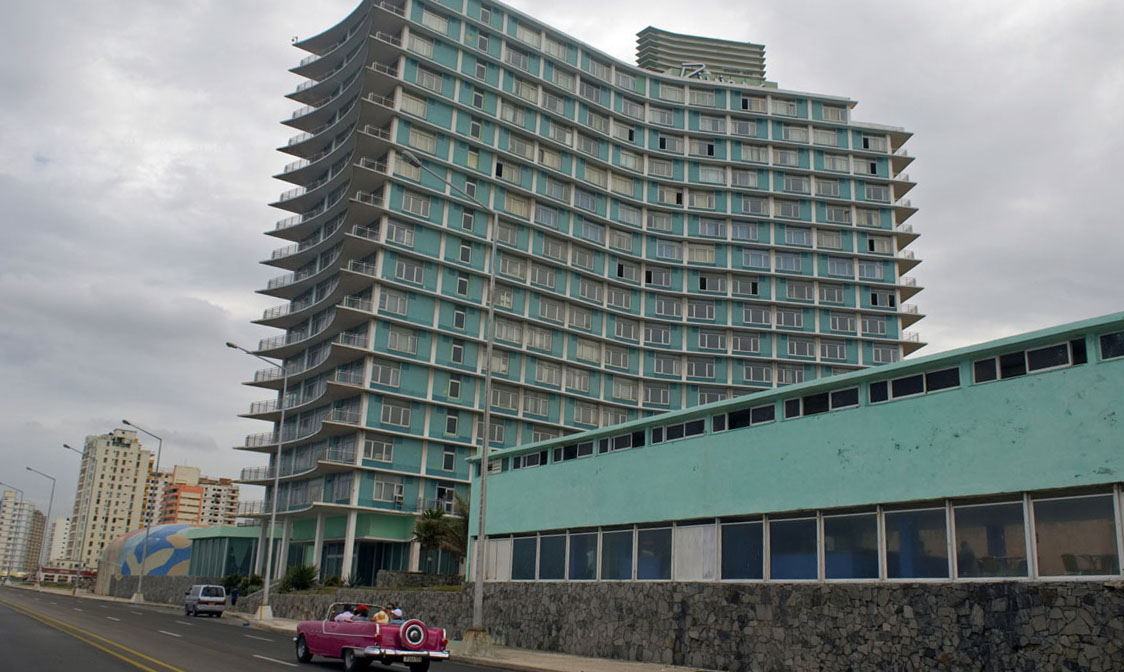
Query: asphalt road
[49,631]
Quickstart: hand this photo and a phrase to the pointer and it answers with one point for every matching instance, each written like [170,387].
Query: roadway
[49,631]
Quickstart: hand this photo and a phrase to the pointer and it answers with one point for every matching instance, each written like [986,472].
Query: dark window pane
[694,427]
[1077,351]
[845,398]
[879,391]
[792,408]
[621,442]
[585,449]
[583,557]
[552,557]
[569,452]
[942,380]
[653,555]
[1112,345]
[851,546]
[718,423]
[657,435]
[984,370]
[916,545]
[1012,365]
[743,551]
[990,540]
[764,414]
[616,555]
[557,454]
[792,549]
[816,403]
[673,432]
[638,439]
[523,558]
[1046,358]
[603,446]
[1076,536]
[739,419]
[903,387]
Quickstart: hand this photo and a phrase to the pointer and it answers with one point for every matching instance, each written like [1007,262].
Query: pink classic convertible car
[360,642]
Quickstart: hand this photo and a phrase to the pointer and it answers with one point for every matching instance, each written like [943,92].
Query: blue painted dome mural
[169,551]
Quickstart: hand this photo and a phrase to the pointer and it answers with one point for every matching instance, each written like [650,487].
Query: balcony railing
[388,70]
[385,101]
[388,38]
[911,336]
[370,198]
[909,308]
[295,165]
[354,340]
[906,254]
[371,164]
[361,267]
[348,377]
[345,416]
[256,473]
[252,508]
[443,505]
[904,203]
[356,303]
[381,133]
[901,151]
[908,282]
[393,9]
[368,232]
[905,228]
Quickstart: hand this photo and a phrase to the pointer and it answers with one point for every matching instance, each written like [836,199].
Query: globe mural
[169,551]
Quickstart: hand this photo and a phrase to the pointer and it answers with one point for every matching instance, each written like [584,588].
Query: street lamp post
[46,526]
[479,637]
[10,549]
[139,595]
[265,611]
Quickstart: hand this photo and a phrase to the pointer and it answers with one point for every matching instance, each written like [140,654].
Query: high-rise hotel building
[670,234]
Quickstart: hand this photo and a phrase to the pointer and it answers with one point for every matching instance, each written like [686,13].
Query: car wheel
[186,611]
[303,654]
[423,666]
[351,662]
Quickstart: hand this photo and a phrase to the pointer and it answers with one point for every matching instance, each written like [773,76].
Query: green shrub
[298,577]
[333,582]
[233,581]
[250,584]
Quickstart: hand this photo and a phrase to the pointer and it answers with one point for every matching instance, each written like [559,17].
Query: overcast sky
[137,144]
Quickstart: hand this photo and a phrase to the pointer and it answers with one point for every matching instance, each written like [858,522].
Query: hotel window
[796,183]
[881,299]
[801,347]
[885,354]
[379,448]
[833,349]
[786,157]
[842,322]
[656,393]
[840,266]
[837,215]
[577,380]
[869,218]
[699,147]
[791,319]
[792,263]
[415,204]
[755,259]
[712,124]
[991,540]
[420,45]
[517,205]
[666,306]
[510,172]
[700,310]
[659,221]
[555,48]
[507,234]
[481,73]
[701,199]
[789,375]
[873,325]
[625,80]
[564,79]
[560,134]
[557,190]
[671,143]
[758,373]
[785,107]
[660,167]
[553,103]
[518,59]
[754,205]
[755,153]
[712,228]
[581,318]
[511,113]
[825,187]
[541,339]
[825,136]
[620,298]
[632,109]
[712,175]
[402,234]
[668,249]
[630,161]
[703,98]
[548,373]
[626,329]
[627,271]
[589,290]
[746,343]
[404,340]
[658,277]
[794,235]
[589,145]
[794,133]
[585,414]
[624,388]
[744,285]
[600,70]
[598,122]
[671,93]
[753,103]
[657,334]
[836,163]
[388,374]
[616,357]
[550,158]
[712,340]
[834,113]
[800,291]
[392,301]
[830,240]
[509,331]
[410,271]
[589,90]
[622,240]
[700,253]
[745,178]
[877,192]
[700,367]
[554,248]
[474,128]
[429,80]
[512,266]
[456,352]
[395,414]
[870,270]
[879,244]
[745,231]
[505,398]
[546,216]
[459,316]
[875,143]
[542,275]
[527,35]
[550,309]
[536,403]
[742,127]
[525,90]
[413,105]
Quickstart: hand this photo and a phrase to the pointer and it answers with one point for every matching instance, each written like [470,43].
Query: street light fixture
[8,553]
[46,525]
[67,446]
[265,611]
[489,327]
[139,595]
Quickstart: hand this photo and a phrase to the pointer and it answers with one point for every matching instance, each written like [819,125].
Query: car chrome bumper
[379,652]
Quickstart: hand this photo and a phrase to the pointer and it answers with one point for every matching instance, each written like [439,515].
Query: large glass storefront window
[1076,536]
[743,551]
[916,544]
[653,554]
[583,556]
[851,546]
[990,540]
[792,549]
[616,555]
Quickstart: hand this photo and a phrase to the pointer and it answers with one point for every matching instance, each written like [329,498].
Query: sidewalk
[504,657]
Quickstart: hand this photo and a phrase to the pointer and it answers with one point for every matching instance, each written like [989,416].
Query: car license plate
[411,659]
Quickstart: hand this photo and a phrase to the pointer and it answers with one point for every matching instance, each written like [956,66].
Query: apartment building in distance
[56,540]
[110,497]
[183,495]
[671,234]
[21,535]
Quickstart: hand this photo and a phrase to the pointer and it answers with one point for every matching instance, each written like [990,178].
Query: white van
[204,599]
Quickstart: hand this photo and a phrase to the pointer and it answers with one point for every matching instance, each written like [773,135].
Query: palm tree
[433,529]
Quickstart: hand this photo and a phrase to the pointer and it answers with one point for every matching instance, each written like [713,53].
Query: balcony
[253,508]
[256,474]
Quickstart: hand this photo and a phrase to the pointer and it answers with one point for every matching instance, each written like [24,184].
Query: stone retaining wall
[861,626]
[163,589]
[391,579]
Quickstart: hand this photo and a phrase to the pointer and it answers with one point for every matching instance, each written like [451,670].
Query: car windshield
[213,591]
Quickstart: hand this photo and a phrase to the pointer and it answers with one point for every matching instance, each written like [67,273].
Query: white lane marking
[263,639]
[103,606]
[170,634]
[274,660]
[113,619]
[54,603]
[77,609]
[183,622]
[137,613]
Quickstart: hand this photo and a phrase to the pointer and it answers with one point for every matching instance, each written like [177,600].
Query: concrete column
[348,547]
[318,543]
[415,556]
[259,554]
[283,552]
